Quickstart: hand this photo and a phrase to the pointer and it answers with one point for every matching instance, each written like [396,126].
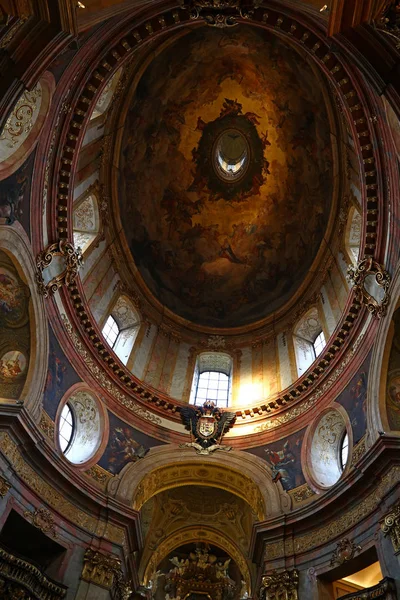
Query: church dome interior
[199,299]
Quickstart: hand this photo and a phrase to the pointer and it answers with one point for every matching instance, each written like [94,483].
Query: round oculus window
[231,154]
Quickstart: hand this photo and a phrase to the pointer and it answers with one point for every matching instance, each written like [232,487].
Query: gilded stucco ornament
[42,519]
[345,551]
[371,284]
[56,266]
[391,526]
[100,569]
[220,13]
[280,586]
[4,487]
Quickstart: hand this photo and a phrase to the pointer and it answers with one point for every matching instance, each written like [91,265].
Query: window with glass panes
[344,451]
[214,386]
[319,344]
[110,331]
[66,428]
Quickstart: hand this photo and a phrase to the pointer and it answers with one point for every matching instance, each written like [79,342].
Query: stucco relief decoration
[86,222]
[4,487]
[345,551]
[56,266]
[20,122]
[371,284]
[42,519]
[391,526]
[100,569]
[324,449]
[389,22]
[280,586]
[220,13]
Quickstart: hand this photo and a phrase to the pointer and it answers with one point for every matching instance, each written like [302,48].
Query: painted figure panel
[60,376]
[284,458]
[353,399]
[14,329]
[125,445]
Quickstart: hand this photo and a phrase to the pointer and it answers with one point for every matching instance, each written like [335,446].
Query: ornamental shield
[206,426]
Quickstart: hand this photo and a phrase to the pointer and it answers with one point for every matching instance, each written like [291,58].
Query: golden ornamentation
[20,579]
[187,473]
[391,526]
[47,425]
[301,493]
[349,518]
[54,498]
[358,276]
[344,551]
[4,487]
[330,531]
[104,381]
[12,31]
[72,259]
[99,474]
[280,586]
[358,451]
[42,519]
[22,118]
[100,569]
[198,535]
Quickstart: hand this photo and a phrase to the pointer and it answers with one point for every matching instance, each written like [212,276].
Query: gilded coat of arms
[207,424]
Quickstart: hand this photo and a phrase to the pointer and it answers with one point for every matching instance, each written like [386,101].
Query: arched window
[121,328]
[343,451]
[110,331]
[309,340]
[353,235]
[212,379]
[66,428]
[86,221]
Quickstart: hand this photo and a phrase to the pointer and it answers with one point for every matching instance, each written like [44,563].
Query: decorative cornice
[99,568]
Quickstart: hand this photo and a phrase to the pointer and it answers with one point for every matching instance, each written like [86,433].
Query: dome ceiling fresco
[225,175]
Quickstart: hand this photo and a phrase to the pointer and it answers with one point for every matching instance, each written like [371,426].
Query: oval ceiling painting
[225,175]
[12,366]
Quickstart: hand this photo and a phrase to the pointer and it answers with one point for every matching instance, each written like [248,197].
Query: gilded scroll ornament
[345,551]
[371,284]
[220,13]
[391,526]
[42,519]
[100,569]
[4,487]
[280,586]
[62,261]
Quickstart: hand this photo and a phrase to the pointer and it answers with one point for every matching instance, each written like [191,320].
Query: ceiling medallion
[221,13]
[229,159]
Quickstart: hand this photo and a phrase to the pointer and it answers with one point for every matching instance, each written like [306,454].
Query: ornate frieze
[4,487]
[345,550]
[301,493]
[53,497]
[391,526]
[358,451]
[47,425]
[280,586]
[42,519]
[99,474]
